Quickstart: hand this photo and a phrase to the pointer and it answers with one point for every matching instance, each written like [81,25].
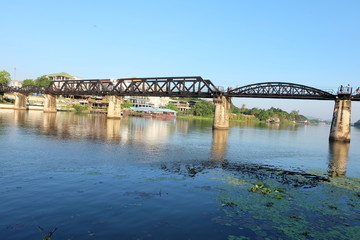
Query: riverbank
[245,119]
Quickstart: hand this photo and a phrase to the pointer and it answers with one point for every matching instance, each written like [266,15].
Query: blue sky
[232,43]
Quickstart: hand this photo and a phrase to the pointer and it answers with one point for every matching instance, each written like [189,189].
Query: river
[72,176]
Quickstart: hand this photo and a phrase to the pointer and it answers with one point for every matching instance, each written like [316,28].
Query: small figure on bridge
[345,90]
[341,89]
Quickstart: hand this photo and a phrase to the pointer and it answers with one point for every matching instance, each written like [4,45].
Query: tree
[4,78]
[42,81]
[264,115]
[127,104]
[28,82]
[243,108]
[293,115]
[171,106]
[234,109]
[203,108]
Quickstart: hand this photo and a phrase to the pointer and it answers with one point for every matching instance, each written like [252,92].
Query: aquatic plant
[49,235]
[328,212]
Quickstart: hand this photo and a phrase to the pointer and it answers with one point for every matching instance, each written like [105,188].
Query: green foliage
[203,108]
[264,115]
[260,189]
[28,82]
[206,108]
[264,190]
[42,81]
[4,78]
[172,107]
[127,104]
[234,109]
[79,107]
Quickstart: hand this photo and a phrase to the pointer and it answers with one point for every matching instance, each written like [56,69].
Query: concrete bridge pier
[20,101]
[222,111]
[339,152]
[340,125]
[50,103]
[114,109]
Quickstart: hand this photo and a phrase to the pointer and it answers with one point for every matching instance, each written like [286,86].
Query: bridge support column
[339,152]
[222,110]
[340,125]
[114,109]
[49,103]
[20,101]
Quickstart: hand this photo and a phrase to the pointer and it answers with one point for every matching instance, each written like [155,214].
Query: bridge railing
[344,90]
[357,91]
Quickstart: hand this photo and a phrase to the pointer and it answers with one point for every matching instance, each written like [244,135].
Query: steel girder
[178,87]
[161,87]
[280,90]
[24,90]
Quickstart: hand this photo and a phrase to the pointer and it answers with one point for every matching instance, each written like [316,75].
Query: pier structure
[222,111]
[20,101]
[341,121]
[114,109]
[194,87]
[50,103]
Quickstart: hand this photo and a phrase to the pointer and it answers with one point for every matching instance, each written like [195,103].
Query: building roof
[151,109]
[63,74]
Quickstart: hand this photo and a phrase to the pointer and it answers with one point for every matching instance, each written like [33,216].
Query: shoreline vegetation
[203,110]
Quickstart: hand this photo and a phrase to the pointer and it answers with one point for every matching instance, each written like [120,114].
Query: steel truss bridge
[195,87]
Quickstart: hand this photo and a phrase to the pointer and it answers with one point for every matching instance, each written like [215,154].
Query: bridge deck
[194,86]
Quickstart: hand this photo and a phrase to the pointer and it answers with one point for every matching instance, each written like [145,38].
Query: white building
[148,101]
[15,83]
[61,76]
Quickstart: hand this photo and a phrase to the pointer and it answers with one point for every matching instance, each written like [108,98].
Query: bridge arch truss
[280,90]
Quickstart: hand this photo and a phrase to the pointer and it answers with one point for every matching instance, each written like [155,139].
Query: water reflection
[49,123]
[112,129]
[147,131]
[85,126]
[338,155]
[219,145]
[19,116]
[272,126]
[186,140]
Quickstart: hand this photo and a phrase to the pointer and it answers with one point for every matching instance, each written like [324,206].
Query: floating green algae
[327,210]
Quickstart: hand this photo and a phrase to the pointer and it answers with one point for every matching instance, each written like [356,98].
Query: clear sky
[232,43]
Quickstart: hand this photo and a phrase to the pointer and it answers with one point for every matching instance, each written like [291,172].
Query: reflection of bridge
[197,87]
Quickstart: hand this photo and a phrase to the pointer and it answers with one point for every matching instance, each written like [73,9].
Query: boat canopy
[151,109]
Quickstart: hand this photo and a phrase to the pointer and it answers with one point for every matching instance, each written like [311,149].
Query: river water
[71,176]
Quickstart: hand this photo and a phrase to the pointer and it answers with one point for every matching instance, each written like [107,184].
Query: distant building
[182,105]
[139,101]
[61,76]
[152,112]
[15,83]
